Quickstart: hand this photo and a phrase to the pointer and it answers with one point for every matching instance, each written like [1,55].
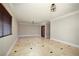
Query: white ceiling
[39,12]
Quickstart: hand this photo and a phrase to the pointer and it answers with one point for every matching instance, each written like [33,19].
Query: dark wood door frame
[43,31]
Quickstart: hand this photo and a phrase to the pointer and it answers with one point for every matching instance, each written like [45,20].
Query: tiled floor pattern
[31,46]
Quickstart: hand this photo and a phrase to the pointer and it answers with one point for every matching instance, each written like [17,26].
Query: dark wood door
[43,31]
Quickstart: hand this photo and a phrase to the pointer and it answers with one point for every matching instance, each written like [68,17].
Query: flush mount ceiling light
[53,7]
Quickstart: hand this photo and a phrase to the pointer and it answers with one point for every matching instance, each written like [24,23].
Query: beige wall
[28,29]
[48,30]
[6,42]
[66,29]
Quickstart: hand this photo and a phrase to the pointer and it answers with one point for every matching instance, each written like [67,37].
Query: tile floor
[32,46]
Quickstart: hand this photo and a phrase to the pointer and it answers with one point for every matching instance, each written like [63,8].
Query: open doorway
[43,31]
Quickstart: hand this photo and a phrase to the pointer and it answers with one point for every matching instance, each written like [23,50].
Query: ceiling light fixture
[53,7]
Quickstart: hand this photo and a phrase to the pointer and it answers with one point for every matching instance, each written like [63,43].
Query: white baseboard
[28,36]
[11,47]
[71,44]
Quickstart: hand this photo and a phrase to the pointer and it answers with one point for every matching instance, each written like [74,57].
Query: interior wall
[48,30]
[29,29]
[7,42]
[66,29]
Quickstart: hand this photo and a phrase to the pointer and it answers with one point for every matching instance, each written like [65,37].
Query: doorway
[43,31]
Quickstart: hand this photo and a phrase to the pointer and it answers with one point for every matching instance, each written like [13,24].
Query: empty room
[39,29]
